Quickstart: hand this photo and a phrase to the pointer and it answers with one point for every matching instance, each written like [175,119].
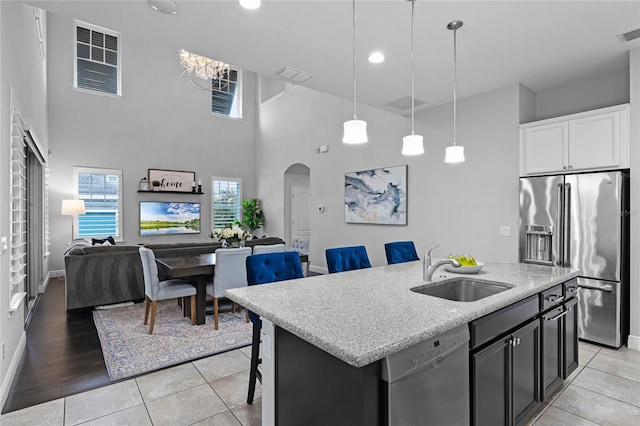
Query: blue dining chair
[400,252]
[263,269]
[341,259]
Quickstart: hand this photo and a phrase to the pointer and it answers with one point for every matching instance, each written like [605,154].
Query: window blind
[100,189]
[227,201]
[225,95]
[18,195]
[96,60]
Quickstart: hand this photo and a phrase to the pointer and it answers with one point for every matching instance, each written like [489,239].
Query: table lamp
[70,208]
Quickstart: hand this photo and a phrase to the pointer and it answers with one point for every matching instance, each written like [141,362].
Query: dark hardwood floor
[62,355]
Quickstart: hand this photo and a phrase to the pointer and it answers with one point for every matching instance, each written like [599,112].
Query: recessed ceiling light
[376,57]
[250,4]
[169,7]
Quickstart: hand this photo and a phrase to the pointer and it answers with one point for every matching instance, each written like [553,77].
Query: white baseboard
[318,269]
[13,367]
[633,342]
[56,273]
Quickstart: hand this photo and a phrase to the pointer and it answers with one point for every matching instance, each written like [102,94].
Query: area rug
[129,350]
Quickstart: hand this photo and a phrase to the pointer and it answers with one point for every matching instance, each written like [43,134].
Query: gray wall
[23,69]
[584,95]
[460,207]
[634,342]
[162,121]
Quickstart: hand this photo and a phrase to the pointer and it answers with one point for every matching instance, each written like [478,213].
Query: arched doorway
[297,200]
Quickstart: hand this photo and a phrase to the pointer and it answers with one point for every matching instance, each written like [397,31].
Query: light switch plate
[4,245]
[505,231]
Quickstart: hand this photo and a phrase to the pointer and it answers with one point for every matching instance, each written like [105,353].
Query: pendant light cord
[413,4]
[354,59]
[455,98]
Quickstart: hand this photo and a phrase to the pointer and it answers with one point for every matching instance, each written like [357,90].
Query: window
[226,94]
[227,201]
[101,191]
[97,59]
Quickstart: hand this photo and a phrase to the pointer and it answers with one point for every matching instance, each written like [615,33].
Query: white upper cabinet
[586,141]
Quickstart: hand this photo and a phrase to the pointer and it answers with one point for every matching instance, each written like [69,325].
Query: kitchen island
[361,317]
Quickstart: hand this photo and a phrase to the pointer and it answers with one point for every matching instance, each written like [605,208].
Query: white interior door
[300,209]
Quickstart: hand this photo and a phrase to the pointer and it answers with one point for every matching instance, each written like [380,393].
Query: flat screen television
[163,218]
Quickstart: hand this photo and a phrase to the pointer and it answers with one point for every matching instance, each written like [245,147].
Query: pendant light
[412,144]
[355,131]
[454,154]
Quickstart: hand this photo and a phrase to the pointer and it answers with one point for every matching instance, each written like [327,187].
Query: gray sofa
[104,275]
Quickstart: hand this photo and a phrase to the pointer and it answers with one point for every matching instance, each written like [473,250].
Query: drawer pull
[514,341]
[554,298]
[572,289]
[560,315]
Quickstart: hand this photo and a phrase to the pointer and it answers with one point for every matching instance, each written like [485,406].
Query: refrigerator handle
[560,221]
[566,238]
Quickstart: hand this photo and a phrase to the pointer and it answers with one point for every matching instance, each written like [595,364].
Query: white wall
[584,95]
[162,121]
[23,69]
[634,338]
[459,207]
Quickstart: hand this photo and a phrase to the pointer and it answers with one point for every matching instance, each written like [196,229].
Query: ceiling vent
[293,75]
[404,103]
[631,35]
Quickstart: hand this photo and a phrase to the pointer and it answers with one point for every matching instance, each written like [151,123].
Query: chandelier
[202,68]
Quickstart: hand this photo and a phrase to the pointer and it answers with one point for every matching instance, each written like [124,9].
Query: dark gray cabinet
[521,354]
[505,364]
[570,347]
[505,377]
[559,335]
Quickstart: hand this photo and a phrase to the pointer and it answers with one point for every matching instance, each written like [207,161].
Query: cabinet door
[525,371]
[594,142]
[489,396]
[552,350]
[544,148]
[570,334]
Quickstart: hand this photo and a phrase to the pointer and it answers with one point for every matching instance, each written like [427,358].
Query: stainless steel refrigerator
[582,221]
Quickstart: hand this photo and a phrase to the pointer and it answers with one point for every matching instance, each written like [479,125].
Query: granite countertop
[363,316]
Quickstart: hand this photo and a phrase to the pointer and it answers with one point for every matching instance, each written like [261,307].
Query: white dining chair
[155,290]
[268,248]
[230,272]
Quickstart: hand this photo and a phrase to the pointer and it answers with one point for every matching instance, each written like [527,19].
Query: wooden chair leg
[233,307]
[146,309]
[193,310]
[215,312]
[154,305]
[246,313]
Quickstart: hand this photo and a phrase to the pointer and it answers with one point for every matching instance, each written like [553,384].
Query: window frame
[237,98]
[99,170]
[91,27]
[237,180]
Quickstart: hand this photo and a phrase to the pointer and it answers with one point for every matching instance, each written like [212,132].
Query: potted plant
[156,185]
[253,216]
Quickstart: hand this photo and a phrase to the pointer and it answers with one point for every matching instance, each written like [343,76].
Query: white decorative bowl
[464,269]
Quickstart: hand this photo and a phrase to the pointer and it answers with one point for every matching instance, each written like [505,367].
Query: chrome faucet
[429,273]
[428,269]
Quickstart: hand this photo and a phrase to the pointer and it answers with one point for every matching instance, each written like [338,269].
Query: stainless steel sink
[462,289]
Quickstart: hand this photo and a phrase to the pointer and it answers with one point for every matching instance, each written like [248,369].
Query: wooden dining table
[197,268]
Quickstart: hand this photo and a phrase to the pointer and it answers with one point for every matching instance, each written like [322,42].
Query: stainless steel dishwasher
[428,383]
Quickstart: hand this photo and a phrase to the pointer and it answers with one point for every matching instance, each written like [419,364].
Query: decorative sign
[376,196]
[172,180]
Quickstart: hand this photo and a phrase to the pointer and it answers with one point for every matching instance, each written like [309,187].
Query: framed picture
[173,180]
[166,218]
[376,196]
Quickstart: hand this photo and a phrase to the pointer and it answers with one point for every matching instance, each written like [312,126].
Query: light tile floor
[604,390]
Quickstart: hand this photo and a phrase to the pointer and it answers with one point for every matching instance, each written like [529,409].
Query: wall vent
[404,103]
[631,35]
[293,75]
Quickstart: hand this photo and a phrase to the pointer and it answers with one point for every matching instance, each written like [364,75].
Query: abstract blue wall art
[377,196]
